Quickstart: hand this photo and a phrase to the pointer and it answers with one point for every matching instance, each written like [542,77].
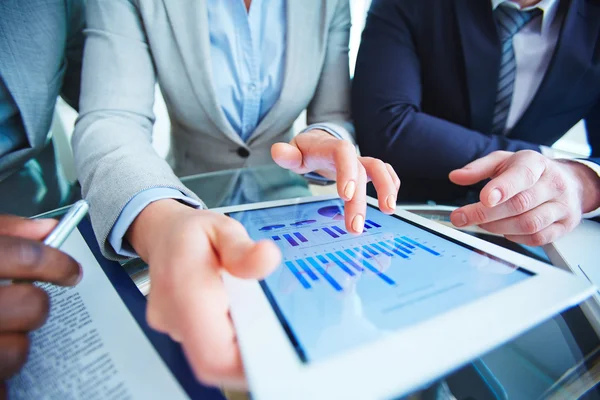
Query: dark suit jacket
[41,48]
[425,86]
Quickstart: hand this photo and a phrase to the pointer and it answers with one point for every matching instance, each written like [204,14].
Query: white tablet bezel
[408,359]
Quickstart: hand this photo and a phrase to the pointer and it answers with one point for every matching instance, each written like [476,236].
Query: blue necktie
[509,21]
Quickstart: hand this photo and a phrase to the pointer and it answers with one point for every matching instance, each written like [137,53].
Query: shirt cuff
[133,208]
[331,128]
[596,168]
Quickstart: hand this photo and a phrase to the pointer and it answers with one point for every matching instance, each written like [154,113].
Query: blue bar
[367,226]
[315,230]
[341,264]
[402,242]
[298,275]
[394,250]
[322,259]
[299,236]
[375,224]
[275,238]
[370,250]
[307,269]
[349,261]
[362,252]
[290,240]
[374,270]
[400,247]
[332,234]
[419,245]
[381,250]
[339,230]
[325,274]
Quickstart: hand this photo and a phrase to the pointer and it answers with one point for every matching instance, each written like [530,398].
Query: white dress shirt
[534,47]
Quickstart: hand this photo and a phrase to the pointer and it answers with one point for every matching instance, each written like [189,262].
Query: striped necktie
[509,21]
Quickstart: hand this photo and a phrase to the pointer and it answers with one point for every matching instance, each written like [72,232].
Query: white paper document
[91,347]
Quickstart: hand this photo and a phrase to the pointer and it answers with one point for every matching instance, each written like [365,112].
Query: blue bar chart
[290,240]
[355,261]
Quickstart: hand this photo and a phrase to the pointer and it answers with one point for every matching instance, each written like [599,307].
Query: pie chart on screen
[333,212]
[271,228]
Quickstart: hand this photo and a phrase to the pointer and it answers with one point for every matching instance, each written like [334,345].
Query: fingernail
[349,190]
[358,223]
[391,201]
[494,197]
[459,219]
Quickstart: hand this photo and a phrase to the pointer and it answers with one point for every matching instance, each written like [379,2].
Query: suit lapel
[192,37]
[21,67]
[571,59]
[482,52]
[304,19]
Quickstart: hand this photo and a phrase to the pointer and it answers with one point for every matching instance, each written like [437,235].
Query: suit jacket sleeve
[74,52]
[330,105]
[112,140]
[386,102]
[592,124]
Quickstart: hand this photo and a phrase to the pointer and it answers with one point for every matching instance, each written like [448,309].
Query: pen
[61,232]
[67,224]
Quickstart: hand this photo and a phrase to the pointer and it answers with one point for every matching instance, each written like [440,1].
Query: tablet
[380,314]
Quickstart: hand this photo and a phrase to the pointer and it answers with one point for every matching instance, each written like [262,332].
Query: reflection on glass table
[558,359]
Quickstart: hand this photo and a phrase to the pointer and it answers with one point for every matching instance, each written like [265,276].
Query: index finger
[523,174]
[25,259]
[35,229]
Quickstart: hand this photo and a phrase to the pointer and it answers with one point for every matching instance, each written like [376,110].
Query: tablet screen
[335,291]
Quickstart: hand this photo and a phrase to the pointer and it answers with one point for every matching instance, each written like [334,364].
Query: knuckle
[520,203]
[39,304]
[347,146]
[539,239]
[531,224]
[529,175]
[27,254]
[559,184]
[478,215]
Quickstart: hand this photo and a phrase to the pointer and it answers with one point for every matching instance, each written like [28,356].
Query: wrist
[150,222]
[589,185]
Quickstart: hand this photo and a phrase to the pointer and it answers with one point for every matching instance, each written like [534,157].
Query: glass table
[559,359]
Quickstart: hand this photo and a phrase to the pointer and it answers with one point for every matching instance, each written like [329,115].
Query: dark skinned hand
[23,306]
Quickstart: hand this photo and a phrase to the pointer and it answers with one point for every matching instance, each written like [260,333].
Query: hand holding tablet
[188,251]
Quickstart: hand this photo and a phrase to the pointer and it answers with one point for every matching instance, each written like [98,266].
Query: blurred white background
[574,142]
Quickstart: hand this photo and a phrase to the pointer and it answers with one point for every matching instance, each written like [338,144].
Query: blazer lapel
[482,52]
[303,18]
[25,80]
[192,37]
[572,57]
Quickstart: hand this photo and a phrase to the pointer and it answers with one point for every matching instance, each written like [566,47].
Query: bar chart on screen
[310,232]
[374,256]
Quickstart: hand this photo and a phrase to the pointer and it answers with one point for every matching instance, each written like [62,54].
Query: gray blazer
[41,45]
[134,44]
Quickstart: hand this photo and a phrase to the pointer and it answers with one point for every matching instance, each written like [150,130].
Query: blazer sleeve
[112,145]
[330,105]
[386,102]
[74,52]
[592,125]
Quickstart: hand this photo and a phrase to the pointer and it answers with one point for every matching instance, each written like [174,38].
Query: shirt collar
[548,7]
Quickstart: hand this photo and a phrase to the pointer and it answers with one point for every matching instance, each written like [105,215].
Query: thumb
[288,156]
[34,229]
[478,170]
[241,256]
